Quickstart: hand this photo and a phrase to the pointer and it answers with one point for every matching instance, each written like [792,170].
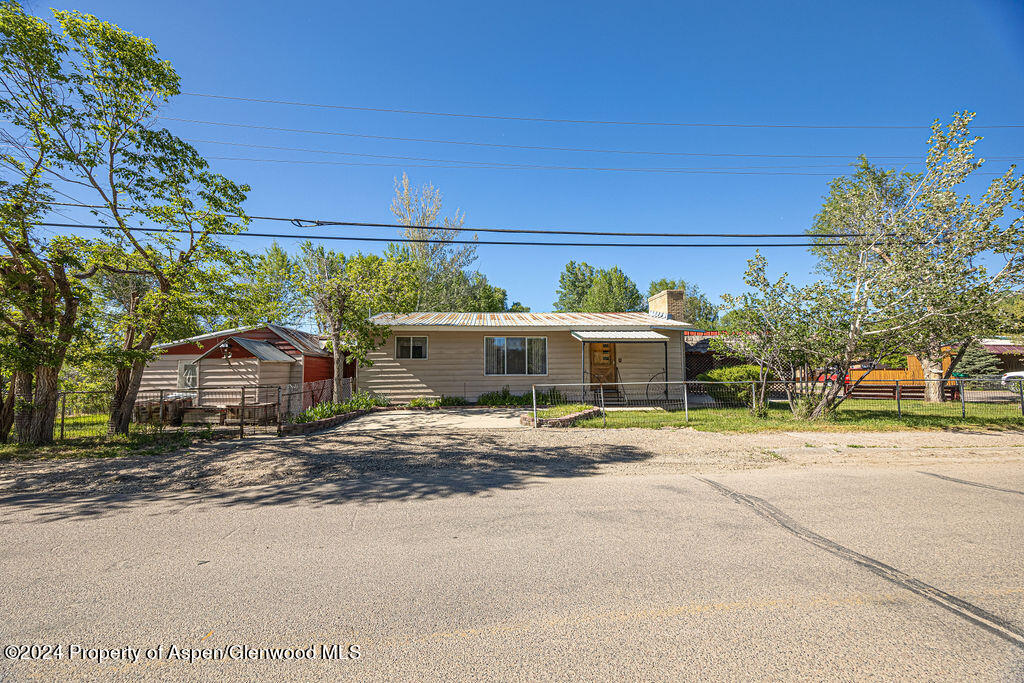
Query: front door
[602,363]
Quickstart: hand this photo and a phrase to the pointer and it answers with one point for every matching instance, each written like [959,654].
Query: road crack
[971,483]
[963,609]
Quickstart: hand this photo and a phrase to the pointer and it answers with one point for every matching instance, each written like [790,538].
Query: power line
[347,238]
[469,161]
[578,121]
[313,222]
[522,167]
[498,145]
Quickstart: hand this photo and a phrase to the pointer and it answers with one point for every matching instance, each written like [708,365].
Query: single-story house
[468,354]
[253,356]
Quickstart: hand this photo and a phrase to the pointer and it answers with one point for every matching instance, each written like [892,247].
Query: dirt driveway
[445,419]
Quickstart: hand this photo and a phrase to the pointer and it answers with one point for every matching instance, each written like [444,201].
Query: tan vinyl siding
[295,373]
[275,373]
[162,372]
[228,372]
[455,364]
[640,362]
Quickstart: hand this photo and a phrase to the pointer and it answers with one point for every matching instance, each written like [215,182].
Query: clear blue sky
[860,63]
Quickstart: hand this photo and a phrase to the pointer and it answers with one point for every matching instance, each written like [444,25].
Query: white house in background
[468,354]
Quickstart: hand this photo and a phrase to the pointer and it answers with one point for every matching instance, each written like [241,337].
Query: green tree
[446,280]
[573,285]
[612,291]
[697,309]
[343,292]
[977,362]
[769,326]
[923,265]
[77,107]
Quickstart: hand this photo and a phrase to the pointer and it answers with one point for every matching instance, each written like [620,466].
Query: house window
[188,375]
[410,347]
[515,355]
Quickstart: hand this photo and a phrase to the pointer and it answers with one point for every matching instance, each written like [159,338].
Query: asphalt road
[817,572]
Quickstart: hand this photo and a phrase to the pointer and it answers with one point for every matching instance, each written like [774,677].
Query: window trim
[410,337]
[526,350]
[180,384]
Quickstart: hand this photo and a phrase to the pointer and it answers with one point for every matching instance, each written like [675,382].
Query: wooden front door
[602,363]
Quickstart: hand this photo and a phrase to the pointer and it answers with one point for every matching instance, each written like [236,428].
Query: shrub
[731,394]
[361,400]
[453,401]
[424,402]
[505,397]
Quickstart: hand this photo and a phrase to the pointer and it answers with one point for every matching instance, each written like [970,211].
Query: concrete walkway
[446,418]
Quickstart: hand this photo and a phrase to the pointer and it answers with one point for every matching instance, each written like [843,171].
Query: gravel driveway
[446,419]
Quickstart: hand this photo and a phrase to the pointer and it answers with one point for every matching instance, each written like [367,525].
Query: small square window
[411,347]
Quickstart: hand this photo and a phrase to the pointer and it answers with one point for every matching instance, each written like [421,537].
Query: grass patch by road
[563,410]
[152,443]
[916,415]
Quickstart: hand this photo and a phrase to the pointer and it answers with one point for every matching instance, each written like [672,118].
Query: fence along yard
[978,401]
[217,411]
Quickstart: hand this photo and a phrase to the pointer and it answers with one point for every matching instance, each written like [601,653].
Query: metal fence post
[63,412]
[241,417]
[534,390]
[899,408]
[161,409]
[604,416]
[963,401]
[279,410]
[1020,390]
[753,397]
[686,402]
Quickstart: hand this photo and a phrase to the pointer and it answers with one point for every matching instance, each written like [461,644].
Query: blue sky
[863,63]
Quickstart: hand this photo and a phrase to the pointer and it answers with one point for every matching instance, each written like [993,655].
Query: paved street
[819,571]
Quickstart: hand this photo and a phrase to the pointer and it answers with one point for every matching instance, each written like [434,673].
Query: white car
[1016,376]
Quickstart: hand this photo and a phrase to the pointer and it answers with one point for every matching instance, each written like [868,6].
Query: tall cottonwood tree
[921,265]
[446,279]
[78,102]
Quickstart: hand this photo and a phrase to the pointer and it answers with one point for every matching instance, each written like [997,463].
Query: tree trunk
[126,389]
[7,412]
[339,362]
[23,408]
[44,409]
[931,364]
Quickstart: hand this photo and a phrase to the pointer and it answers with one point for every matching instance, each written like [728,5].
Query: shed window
[515,355]
[410,347]
[188,375]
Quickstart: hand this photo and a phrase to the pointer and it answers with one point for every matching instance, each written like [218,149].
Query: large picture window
[515,356]
[410,347]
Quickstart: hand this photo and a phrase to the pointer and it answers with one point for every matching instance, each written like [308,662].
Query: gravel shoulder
[347,464]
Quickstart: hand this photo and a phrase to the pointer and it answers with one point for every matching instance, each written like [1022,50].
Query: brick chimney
[670,302]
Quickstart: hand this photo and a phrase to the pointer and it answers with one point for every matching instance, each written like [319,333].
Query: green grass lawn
[136,443]
[563,410]
[850,417]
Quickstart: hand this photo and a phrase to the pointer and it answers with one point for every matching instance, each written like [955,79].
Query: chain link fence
[981,398]
[207,411]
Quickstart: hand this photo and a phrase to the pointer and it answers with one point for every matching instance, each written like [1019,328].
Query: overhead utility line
[347,238]
[317,223]
[526,167]
[500,117]
[499,145]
